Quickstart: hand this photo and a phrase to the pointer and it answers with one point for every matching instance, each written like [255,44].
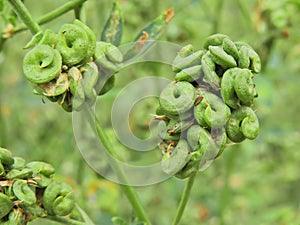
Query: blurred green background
[256,182]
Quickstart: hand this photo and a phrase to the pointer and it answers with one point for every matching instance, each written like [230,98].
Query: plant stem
[64,220]
[128,190]
[54,14]
[184,199]
[22,12]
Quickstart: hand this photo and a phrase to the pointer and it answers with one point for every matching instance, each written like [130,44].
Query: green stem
[54,14]
[22,12]
[128,190]
[184,199]
[64,220]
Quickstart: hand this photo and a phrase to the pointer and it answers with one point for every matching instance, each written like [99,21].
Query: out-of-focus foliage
[256,182]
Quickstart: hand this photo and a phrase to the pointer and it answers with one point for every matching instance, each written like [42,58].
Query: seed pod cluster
[208,105]
[28,191]
[70,67]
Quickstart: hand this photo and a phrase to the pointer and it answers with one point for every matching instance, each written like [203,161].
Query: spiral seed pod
[19,174]
[6,205]
[237,87]
[76,43]
[58,198]
[242,124]
[211,111]
[183,60]
[173,161]
[177,98]
[6,157]
[23,192]
[214,40]
[19,163]
[42,64]
[41,168]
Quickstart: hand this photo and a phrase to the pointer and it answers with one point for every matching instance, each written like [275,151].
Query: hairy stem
[22,12]
[54,14]
[184,199]
[128,190]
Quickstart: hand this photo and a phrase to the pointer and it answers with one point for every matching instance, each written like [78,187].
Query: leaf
[149,34]
[113,28]
[85,217]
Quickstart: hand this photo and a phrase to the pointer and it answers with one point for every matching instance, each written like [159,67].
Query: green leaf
[113,28]
[149,33]
[85,217]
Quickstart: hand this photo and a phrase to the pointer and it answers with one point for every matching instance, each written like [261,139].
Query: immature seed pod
[214,40]
[23,192]
[107,56]
[6,205]
[189,74]
[177,98]
[19,163]
[6,157]
[19,174]
[90,78]
[58,198]
[230,48]
[175,160]
[41,168]
[76,43]
[55,87]
[220,57]
[42,64]
[243,123]
[181,63]
[237,87]
[211,111]
[210,76]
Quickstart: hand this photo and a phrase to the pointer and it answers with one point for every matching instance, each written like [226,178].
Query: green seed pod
[230,48]
[42,64]
[244,59]
[227,88]
[15,217]
[91,38]
[55,87]
[211,111]
[103,55]
[244,87]
[90,78]
[6,205]
[6,157]
[75,43]
[177,98]
[34,40]
[2,170]
[75,77]
[49,38]
[19,163]
[41,168]
[164,135]
[19,174]
[220,57]
[242,124]
[174,161]
[209,67]
[214,40]
[186,51]
[177,126]
[198,139]
[189,74]
[23,192]
[181,63]
[58,198]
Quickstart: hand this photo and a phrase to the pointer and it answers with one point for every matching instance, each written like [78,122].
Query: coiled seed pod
[6,157]
[76,43]
[58,198]
[5,205]
[177,98]
[243,123]
[42,64]
[23,192]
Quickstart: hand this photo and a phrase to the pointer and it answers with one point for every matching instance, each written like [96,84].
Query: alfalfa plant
[209,105]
